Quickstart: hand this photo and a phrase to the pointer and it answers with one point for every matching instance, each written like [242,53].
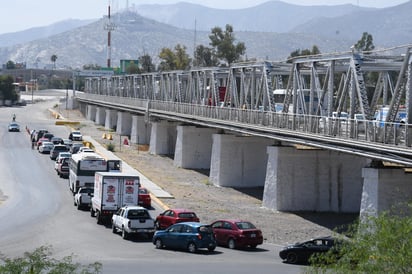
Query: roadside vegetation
[377,244]
[40,261]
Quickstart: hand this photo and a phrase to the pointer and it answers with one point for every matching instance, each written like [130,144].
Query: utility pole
[109,27]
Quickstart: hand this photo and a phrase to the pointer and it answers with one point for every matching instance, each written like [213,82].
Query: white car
[75,136]
[83,197]
[46,147]
[133,220]
[85,149]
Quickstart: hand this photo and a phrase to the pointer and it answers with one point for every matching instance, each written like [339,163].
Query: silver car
[46,147]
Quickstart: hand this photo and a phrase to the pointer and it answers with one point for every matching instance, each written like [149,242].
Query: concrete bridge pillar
[384,188]
[140,133]
[313,180]
[111,119]
[238,161]
[163,138]
[193,147]
[100,116]
[91,112]
[124,123]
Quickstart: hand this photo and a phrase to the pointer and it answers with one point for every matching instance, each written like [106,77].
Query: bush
[378,244]
[40,261]
[110,147]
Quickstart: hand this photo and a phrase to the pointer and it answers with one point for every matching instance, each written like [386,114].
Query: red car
[173,216]
[236,233]
[40,141]
[144,198]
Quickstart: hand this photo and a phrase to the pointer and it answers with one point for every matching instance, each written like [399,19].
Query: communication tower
[109,27]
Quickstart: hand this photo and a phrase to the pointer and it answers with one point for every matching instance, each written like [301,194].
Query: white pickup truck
[83,197]
[133,220]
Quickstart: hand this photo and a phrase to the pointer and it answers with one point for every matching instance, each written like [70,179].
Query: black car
[301,252]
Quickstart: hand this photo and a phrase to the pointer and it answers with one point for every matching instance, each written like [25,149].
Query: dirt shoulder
[191,189]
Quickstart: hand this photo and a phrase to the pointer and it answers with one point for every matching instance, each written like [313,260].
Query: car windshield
[245,225]
[187,215]
[86,190]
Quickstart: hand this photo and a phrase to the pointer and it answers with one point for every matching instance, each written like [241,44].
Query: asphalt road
[36,208]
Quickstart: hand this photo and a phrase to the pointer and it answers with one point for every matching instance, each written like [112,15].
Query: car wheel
[114,230]
[150,235]
[253,246]
[158,243]
[91,212]
[231,243]
[191,247]
[292,258]
[78,206]
[74,203]
[212,248]
[98,218]
[125,235]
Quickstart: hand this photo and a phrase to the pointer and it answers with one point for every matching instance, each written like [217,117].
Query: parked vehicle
[56,140]
[63,169]
[188,236]
[301,252]
[14,127]
[75,136]
[133,220]
[48,135]
[74,148]
[83,197]
[113,190]
[39,133]
[40,141]
[46,147]
[173,216]
[59,159]
[144,198]
[56,150]
[83,167]
[236,233]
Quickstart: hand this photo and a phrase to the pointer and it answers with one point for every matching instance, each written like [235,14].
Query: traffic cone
[126,142]
[104,136]
[109,137]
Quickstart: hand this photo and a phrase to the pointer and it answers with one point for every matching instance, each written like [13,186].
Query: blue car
[188,236]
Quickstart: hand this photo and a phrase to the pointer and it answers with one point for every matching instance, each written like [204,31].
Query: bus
[82,167]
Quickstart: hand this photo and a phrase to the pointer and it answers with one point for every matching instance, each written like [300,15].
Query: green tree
[40,261]
[381,244]
[132,68]
[205,57]
[53,58]
[365,43]
[174,60]
[224,45]
[10,65]
[7,90]
[146,64]
[306,52]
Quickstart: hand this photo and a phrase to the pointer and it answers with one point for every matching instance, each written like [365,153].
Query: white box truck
[113,190]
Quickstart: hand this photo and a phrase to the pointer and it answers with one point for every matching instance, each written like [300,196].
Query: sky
[17,15]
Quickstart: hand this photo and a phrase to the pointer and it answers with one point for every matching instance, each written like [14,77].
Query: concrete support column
[238,161]
[100,116]
[111,119]
[163,138]
[312,180]
[193,147]
[384,188]
[140,133]
[124,123]
[91,113]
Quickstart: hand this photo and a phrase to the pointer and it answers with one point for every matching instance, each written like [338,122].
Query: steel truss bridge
[315,93]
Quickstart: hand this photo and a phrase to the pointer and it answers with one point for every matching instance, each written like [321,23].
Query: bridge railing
[361,130]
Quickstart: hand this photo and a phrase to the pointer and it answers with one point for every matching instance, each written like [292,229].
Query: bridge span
[308,131]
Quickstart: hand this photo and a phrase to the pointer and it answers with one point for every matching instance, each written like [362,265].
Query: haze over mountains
[270,31]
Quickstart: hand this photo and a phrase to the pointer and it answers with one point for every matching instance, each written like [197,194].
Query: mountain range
[270,31]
